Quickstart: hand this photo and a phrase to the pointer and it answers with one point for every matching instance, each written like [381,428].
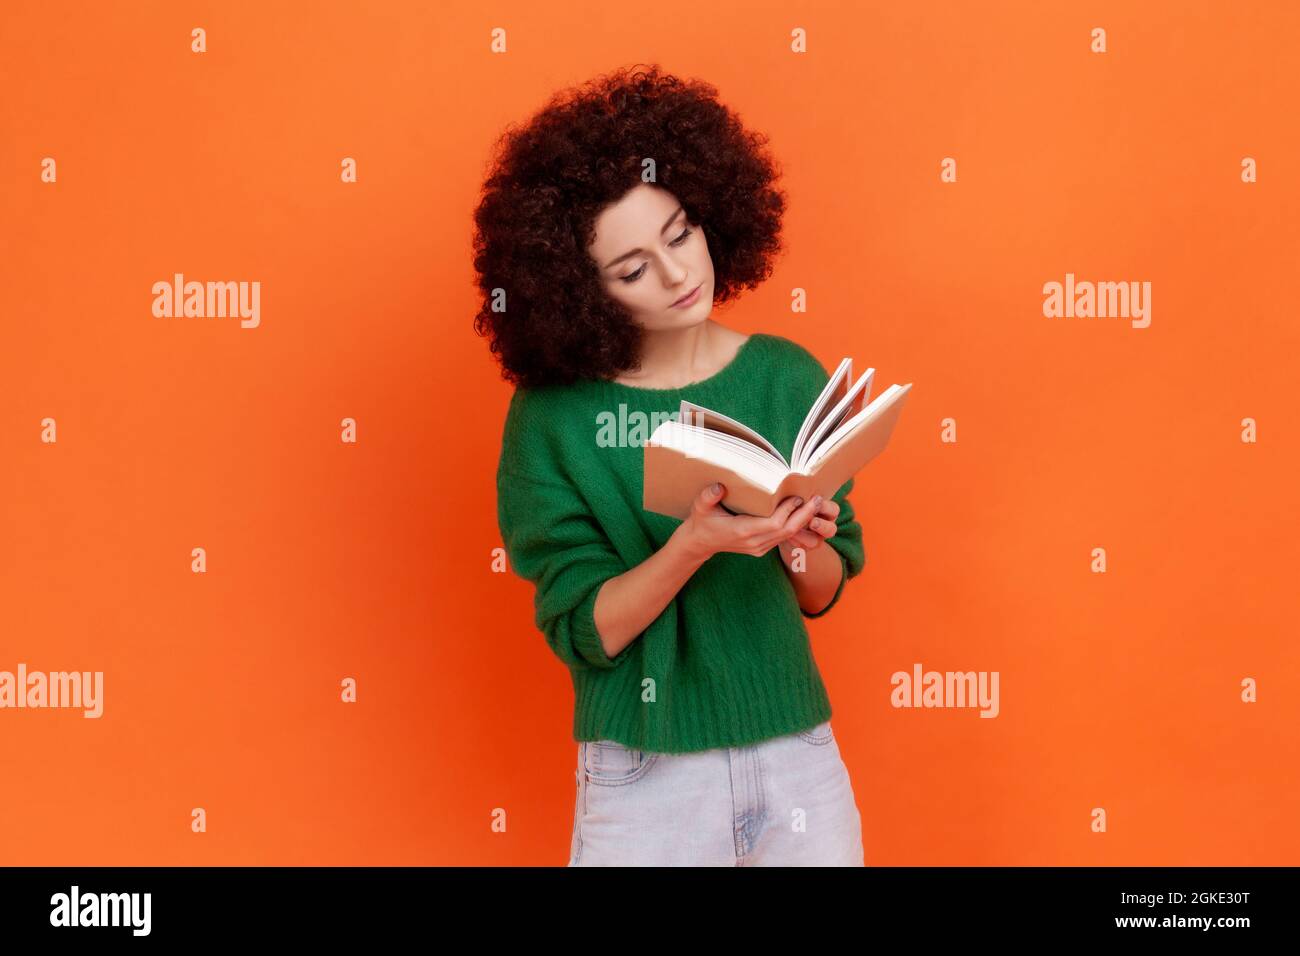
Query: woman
[610,226]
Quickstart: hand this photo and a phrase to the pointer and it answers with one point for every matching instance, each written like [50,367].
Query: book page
[833,420]
[858,445]
[701,417]
[835,390]
[878,407]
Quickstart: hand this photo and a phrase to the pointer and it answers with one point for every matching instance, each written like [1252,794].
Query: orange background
[325,560]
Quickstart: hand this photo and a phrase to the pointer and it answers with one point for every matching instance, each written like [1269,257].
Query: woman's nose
[674,273]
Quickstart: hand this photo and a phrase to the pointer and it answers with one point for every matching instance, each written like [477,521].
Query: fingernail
[798,502]
[817,500]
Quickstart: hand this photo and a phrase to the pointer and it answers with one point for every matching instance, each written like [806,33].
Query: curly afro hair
[583,151]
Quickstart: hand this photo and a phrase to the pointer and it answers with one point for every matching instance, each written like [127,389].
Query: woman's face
[649,257]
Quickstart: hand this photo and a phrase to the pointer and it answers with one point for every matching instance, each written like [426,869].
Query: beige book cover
[840,434]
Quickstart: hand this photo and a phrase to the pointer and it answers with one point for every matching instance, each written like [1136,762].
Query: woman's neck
[677,357]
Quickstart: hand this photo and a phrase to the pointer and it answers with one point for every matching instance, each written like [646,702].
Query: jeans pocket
[821,734]
[608,763]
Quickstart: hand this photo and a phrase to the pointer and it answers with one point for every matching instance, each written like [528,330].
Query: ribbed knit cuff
[586,639]
[844,577]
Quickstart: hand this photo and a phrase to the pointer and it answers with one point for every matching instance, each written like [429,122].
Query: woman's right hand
[710,528]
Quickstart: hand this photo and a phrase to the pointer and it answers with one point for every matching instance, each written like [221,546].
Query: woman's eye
[676,242]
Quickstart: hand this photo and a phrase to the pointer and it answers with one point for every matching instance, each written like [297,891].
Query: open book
[841,433]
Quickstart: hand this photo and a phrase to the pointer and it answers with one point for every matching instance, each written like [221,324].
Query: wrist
[689,549]
[787,548]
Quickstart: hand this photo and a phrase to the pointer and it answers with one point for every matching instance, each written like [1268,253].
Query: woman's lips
[689,297]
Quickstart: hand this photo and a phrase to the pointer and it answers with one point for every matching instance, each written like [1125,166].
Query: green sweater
[728,662]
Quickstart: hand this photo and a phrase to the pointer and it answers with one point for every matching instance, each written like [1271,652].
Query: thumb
[710,496]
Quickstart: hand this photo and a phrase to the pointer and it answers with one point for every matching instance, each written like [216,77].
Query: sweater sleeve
[847,543]
[552,539]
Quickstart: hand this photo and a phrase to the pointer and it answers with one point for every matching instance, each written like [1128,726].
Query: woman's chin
[682,319]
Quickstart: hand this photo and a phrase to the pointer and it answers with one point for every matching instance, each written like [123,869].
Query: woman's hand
[819,529]
[710,528]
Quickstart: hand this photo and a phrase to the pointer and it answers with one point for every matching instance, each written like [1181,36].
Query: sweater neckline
[717,378]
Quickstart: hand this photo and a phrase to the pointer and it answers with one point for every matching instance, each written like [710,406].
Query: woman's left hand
[818,530]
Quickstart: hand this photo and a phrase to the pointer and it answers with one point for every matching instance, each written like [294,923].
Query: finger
[783,511]
[707,500]
[805,540]
[822,527]
[783,522]
[769,529]
[799,519]
[793,525]
[830,509]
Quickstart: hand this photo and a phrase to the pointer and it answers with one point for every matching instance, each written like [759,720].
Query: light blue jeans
[786,801]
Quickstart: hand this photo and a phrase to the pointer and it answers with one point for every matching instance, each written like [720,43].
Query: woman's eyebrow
[629,255]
